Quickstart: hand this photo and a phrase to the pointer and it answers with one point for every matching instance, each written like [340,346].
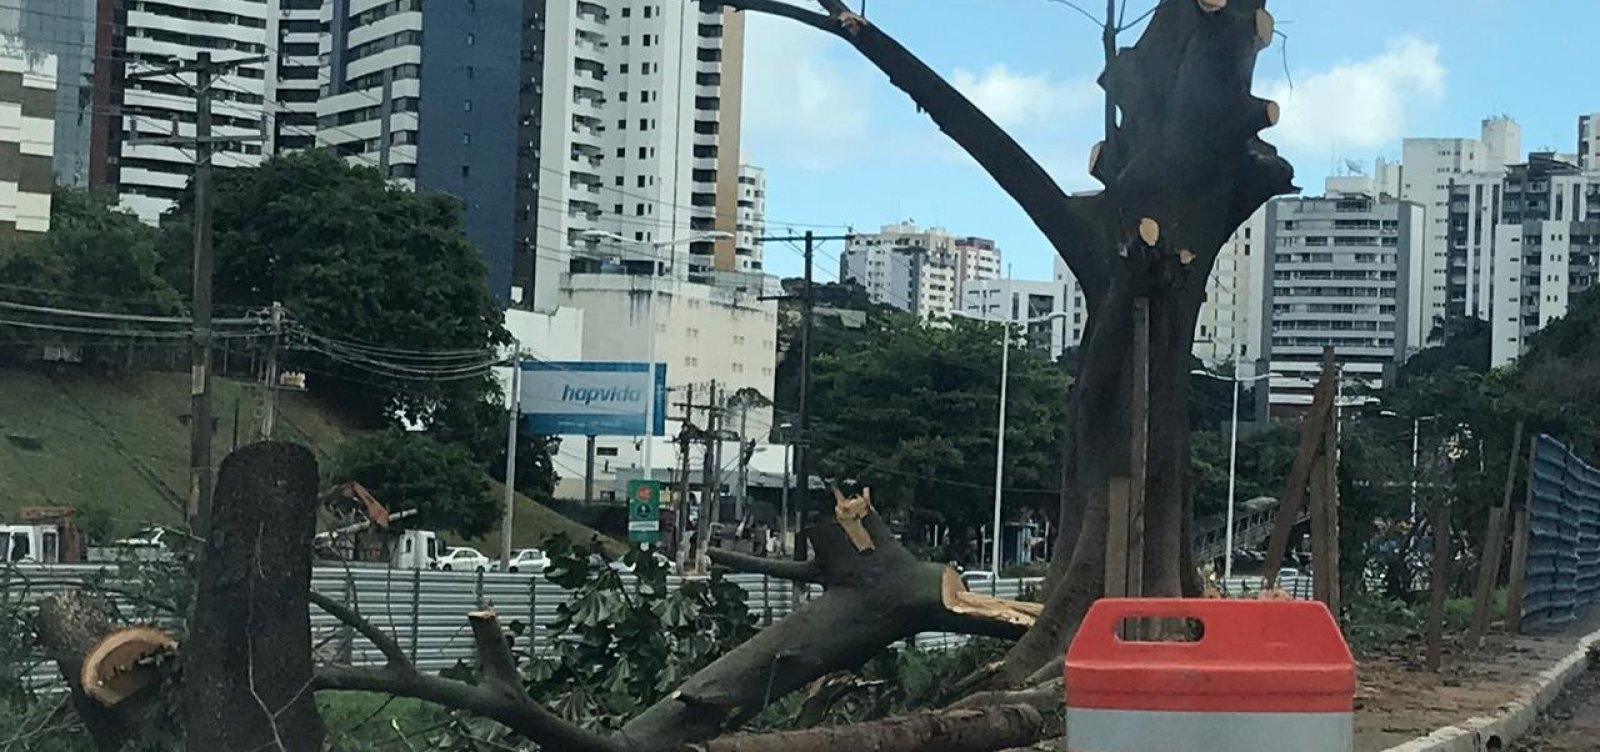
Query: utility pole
[680,522]
[205,74]
[746,450]
[514,408]
[711,479]
[269,409]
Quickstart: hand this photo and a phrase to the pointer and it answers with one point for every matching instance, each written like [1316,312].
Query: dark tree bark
[247,657]
[979,730]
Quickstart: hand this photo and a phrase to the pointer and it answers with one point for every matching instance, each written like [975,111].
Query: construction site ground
[1397,700]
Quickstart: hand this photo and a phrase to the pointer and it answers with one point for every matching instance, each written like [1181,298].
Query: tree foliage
[352,258]
[912,413]
[93,252]
[409,470]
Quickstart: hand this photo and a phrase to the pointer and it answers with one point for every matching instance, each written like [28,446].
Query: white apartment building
[151,176]
[1589,141]
[1428,165]
[1523,243]
[637,122]
[67,31]
[1340,270]
[1228,329]
[752,219]
[297,74]
[27,138]
[1018,301]
[919,271]
[703,333]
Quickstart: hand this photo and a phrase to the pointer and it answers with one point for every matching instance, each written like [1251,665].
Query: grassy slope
[117,448]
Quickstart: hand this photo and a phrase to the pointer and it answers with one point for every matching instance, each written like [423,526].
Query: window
[616,209]
[626,12]
[647,11]
[621,152]
[466,171]
[466,139]
[471,72]
[624,40]
[641,181]
[638,210]
[644,124]
[619,181]
[624,68]
[645,40]
[642,152]
[472,39]
[466,105]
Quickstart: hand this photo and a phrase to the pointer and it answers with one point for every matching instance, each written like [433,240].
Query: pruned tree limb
[1045,697]
[783,569]
[514,709]
[494,653]
[965,730]
[386,644]
[1072,224]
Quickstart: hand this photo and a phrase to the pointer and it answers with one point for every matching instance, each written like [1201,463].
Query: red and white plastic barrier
[1264,676]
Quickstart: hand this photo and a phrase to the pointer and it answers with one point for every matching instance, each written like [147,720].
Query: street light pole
[1000,448]
[1233,464]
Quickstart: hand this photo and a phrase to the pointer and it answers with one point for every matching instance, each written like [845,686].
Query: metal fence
[426,611]
[1563,562]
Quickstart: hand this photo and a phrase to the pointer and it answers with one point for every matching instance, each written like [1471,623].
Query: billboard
[592,399]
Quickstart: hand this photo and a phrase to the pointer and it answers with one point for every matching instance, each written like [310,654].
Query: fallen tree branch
[494,653]
[1046,697]
[386,644]
[783,569]
[975,730]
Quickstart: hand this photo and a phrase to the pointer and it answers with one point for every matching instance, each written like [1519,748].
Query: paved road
[1572,723]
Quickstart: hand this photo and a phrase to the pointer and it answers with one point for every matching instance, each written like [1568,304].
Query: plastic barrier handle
[1100,626]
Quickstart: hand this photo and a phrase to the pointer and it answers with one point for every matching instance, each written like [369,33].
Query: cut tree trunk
[247,656]
[71,623]
[974,730]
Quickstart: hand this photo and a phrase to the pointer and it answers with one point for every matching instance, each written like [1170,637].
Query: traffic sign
[644,511]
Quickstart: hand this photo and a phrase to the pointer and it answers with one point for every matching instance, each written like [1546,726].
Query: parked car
[525,560]
[976,577]
[151,537]
[464,559]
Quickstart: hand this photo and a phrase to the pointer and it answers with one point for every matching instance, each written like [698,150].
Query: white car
[463,559]
[525,560]
[973,577]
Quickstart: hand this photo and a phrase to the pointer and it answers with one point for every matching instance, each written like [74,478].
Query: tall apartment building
[296,81]
[637,120]
[66,31]
[752,218]
[1020,301]
[1523,242]
[1228,329]
[1341,269]
[1428,165]
[151,176]
[27,137]
[1589,141]
[559,125]
[918,270]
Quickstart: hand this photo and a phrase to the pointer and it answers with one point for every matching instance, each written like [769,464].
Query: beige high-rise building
[918,270]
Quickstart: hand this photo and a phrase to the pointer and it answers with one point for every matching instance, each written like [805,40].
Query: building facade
[1042,310]
[27,138]
[1523,243]
[917,270]
[1228,329]
[752,219]
[1340,269]
[1589,141]
[635,133]
[296,79]
[67,31]
[1428,166]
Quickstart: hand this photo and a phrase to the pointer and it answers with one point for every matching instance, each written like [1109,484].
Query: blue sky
[843,147]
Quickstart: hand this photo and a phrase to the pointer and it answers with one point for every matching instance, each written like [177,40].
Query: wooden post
[1312,435]
[1439,586]
[1329,554]
[1517,582]
[1318,511]
[1494,542]
[1117,553]
[1139,441]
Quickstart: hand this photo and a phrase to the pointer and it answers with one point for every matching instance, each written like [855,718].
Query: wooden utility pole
[680,522]
[1494,543]
[1125,543]
[710,482]
[1313,434]
[205,75]
[269,407]
[1517,582]
[588,469]
[1325,515]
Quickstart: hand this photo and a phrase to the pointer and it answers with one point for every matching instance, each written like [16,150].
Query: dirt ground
[1397,701]
[1572,723]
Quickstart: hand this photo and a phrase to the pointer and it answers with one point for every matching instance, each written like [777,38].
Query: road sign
[644,511]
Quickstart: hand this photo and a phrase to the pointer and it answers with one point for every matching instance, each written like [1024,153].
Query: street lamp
[650,314]
[1000,442]
[1416,432]
[1233,462]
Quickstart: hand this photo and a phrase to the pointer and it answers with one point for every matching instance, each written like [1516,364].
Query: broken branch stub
[124,662]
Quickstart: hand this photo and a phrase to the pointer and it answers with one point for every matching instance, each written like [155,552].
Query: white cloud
[1361,104]
[802,107]
[1016,100]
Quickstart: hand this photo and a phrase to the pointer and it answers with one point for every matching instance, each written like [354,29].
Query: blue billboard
[592,399]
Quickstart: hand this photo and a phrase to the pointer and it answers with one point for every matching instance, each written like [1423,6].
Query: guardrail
[1563,560]
[426,611]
